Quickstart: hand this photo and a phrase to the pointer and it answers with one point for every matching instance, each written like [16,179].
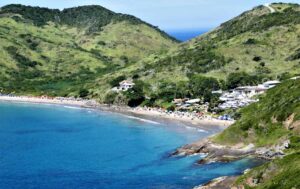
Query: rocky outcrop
[221,153]
[215,152]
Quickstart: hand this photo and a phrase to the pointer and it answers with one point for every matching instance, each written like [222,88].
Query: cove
[47,146]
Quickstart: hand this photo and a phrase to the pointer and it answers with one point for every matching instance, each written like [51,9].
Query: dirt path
[270,8]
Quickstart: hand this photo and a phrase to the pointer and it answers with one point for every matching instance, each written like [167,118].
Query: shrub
[203,86]
[135,95]
[115,82]
[241,79]
[110,97]
[250,41]
[83,93]
[257,58]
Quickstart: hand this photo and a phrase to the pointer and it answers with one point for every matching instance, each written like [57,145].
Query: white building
[243,96]
[271,84]
[124,86]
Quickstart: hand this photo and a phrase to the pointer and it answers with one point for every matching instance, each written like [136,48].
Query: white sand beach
[192,118]
[46,100]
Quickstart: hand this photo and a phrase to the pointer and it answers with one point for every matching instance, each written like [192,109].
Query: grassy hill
[57,52]
[257,42]
[274,119]
[52,52]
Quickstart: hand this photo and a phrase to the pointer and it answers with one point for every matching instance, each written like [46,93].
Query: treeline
[197,86]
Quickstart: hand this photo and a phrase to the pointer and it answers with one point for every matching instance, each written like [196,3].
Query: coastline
[151,114]
[211,125]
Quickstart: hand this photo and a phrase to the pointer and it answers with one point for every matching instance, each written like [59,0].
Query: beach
[151,113]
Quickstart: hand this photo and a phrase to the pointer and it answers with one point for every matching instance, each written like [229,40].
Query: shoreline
[151,114]
[210,125]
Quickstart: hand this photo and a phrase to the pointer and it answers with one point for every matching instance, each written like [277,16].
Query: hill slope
[257,42]
[45,51]
[270,122]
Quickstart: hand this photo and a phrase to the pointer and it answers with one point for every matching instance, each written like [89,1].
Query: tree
[110,97]
[242,78]
[83,93]
[135,95]
[115,82]
[203,86]
[182,89]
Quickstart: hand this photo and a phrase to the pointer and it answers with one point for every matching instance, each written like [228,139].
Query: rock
[219,183]
[215,152]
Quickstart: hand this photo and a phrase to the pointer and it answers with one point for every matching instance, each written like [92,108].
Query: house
[126,85]
[243,96]
[250,91]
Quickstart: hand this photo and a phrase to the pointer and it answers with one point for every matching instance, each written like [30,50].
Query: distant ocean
[46,146]
[186,35]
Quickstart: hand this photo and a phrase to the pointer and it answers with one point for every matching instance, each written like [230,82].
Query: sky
[168,15]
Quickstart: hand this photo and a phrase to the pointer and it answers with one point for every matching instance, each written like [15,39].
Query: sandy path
[272,10]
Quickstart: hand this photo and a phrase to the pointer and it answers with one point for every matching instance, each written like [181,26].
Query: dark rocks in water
[220,153]
[215,152]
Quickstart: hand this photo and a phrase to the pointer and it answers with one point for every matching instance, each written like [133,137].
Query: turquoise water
[46,146]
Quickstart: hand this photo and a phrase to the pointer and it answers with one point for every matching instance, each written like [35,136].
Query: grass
[265,124]
[67,58]
[225,50]
[262,123]
[277,174]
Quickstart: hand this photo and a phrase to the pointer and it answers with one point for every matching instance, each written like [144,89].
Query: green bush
[83,93]
[115,82]
[136,94]
[242,79]
[110,97]
[203,86]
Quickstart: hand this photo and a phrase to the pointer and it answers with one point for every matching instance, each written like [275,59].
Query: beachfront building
[124,86]
[245,95]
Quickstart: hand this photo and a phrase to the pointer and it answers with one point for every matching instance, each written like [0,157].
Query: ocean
[187,35]
[57,147]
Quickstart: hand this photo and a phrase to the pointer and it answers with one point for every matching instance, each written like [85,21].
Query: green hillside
[271,121]
[54,52]
[257,42]
[57,52]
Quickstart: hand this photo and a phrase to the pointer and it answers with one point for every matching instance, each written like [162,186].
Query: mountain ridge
[67,16]
[232,46]
[42,56]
